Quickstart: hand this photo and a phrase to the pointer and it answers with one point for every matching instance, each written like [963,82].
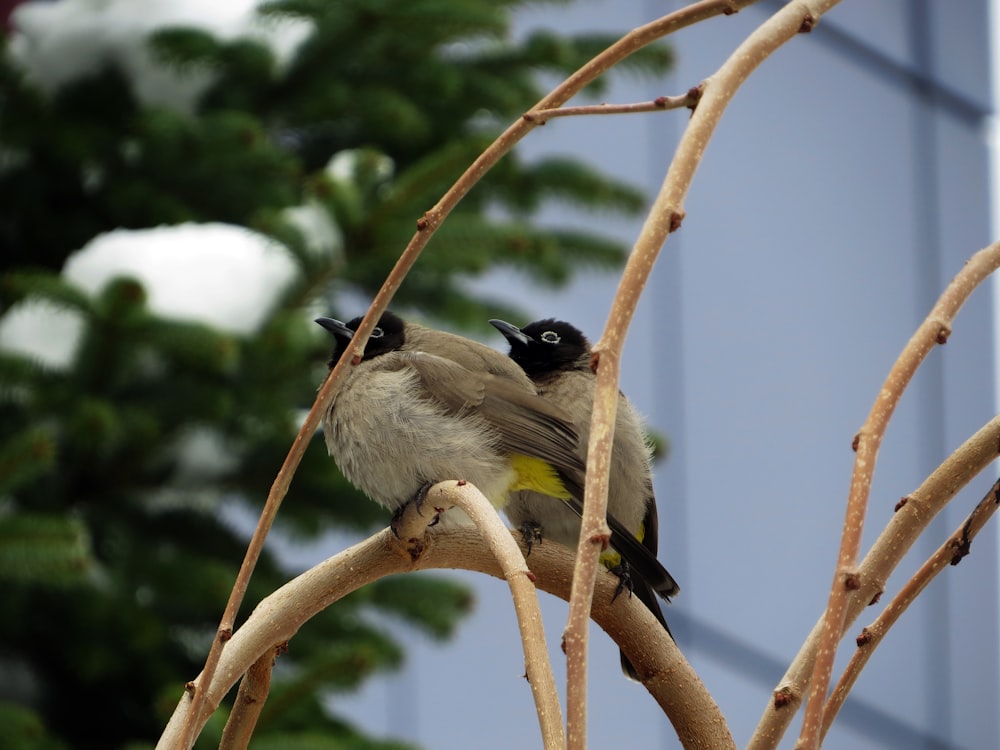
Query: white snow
[323,237]
[57,42]
[41,331]
[344,164]
[219,274]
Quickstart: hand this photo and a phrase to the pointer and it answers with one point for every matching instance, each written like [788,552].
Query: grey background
[845,186]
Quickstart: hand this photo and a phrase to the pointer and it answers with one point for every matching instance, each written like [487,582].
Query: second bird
[556,356]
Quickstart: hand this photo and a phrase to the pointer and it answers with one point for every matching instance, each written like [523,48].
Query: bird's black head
[387,336]
[546,346]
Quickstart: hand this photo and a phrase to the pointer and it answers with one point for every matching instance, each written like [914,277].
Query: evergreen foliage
[114,558]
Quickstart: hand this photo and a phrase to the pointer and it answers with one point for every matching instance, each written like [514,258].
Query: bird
[424,405]
[556,356]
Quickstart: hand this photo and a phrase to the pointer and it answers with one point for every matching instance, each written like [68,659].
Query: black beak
[338,329]
[510,332]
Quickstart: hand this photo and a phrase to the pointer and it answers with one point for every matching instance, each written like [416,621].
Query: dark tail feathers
[642,561]
[645,593]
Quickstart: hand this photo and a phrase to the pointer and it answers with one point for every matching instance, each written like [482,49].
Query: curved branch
[505,551]
[933,331]
[949,553]
[280,615]
[672,682]
[922,505]
[664,217]
[277,618]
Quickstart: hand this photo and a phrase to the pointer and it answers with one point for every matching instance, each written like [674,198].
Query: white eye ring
[551,337]
[377,333]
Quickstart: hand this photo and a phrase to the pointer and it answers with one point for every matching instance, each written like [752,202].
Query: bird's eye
[550,337]
[377,333]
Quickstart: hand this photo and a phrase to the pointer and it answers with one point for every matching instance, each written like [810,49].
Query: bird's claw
[418,502]
[624,579]
[531,534]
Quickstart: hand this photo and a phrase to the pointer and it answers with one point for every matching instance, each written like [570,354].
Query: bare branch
[388,553]
[504,549]
[949,553]
[893,543]
[932,332]
[664,217]
[359,565]
[671,680]
[659,104]
[249,701]
[594,536]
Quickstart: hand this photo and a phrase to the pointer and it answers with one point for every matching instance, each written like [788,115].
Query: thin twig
[932,332]
[249,701]
[950,553]
[659,104]
[594,534]
[672,682]
[904,528]
[893,543]
[426,226]
[664,217]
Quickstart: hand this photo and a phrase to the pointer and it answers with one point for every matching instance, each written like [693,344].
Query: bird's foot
[418,502]
[397,516]
[531,534]
[419,499]
[624,579]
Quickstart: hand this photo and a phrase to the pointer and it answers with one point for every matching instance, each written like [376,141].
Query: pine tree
[114,559]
